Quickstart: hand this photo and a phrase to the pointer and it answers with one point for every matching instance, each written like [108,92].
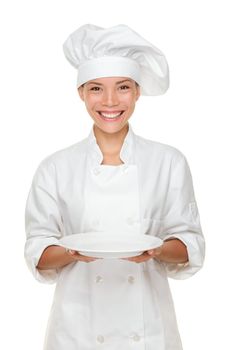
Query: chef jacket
[113,303]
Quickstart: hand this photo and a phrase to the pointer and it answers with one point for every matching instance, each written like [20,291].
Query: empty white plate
[110,245]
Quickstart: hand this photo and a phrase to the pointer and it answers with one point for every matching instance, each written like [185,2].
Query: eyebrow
[123,81]
[117,83]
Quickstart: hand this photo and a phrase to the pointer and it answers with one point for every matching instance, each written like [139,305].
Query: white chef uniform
[113,304]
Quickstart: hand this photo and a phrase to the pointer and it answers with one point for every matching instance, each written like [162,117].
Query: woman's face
[110,101]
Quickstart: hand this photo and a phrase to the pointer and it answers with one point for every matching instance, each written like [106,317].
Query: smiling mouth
[112,115]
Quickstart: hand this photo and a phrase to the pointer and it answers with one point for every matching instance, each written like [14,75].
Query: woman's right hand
[79,257]
[54,257]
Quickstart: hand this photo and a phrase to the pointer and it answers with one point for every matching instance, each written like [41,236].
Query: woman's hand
[79,257]
[172,251]
[149,254]
[55,257]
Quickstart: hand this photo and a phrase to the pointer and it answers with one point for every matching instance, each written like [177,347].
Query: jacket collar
[126,153]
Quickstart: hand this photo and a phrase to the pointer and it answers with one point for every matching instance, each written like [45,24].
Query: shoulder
[64,157]
[157,150]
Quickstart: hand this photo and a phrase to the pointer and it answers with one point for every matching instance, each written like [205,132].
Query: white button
[100,338]
[130,221]
[131,279]
[135,337]
[99,279]
[96,171]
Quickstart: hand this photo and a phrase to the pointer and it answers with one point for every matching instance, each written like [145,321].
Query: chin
[111,129]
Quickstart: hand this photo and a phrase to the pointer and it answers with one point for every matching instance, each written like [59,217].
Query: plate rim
[101,251]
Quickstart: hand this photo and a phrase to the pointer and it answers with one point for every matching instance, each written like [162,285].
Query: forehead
[110,80]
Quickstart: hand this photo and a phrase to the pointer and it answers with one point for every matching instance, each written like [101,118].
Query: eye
[95,88]
[124,87]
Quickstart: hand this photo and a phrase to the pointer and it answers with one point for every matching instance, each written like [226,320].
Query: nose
[110,98]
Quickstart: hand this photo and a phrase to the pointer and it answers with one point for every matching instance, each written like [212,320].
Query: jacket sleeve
[43,220]
[182,221]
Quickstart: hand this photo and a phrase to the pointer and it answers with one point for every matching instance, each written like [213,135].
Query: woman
[113,179]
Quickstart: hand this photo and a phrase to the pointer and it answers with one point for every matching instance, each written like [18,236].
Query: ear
[80,92]
[138,92]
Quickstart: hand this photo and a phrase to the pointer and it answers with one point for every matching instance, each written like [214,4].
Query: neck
[110,144]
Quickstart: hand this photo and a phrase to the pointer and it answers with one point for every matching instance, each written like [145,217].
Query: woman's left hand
[171,251]
[149,254]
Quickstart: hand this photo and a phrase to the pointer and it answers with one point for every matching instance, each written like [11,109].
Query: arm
[54,257]
[172,251]
[183,250]
[44,228]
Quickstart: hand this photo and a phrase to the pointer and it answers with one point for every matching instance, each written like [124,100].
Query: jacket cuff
[196,252]
[32,253]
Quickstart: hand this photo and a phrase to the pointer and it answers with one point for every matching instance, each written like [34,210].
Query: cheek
[127,100]
[94,99]
[131,103]
[90,102]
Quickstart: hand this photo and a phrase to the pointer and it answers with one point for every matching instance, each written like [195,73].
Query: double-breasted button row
[134,336]
[100,339]
[99,279]
[96,171]
[131,279]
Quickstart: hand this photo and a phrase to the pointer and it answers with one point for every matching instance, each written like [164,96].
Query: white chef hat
[117,51]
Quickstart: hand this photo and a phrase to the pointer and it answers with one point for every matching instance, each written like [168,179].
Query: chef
[113,181]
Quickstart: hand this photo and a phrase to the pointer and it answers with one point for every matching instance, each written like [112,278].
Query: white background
[41,113]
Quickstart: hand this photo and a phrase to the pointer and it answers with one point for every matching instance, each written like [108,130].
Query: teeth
[110,115]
